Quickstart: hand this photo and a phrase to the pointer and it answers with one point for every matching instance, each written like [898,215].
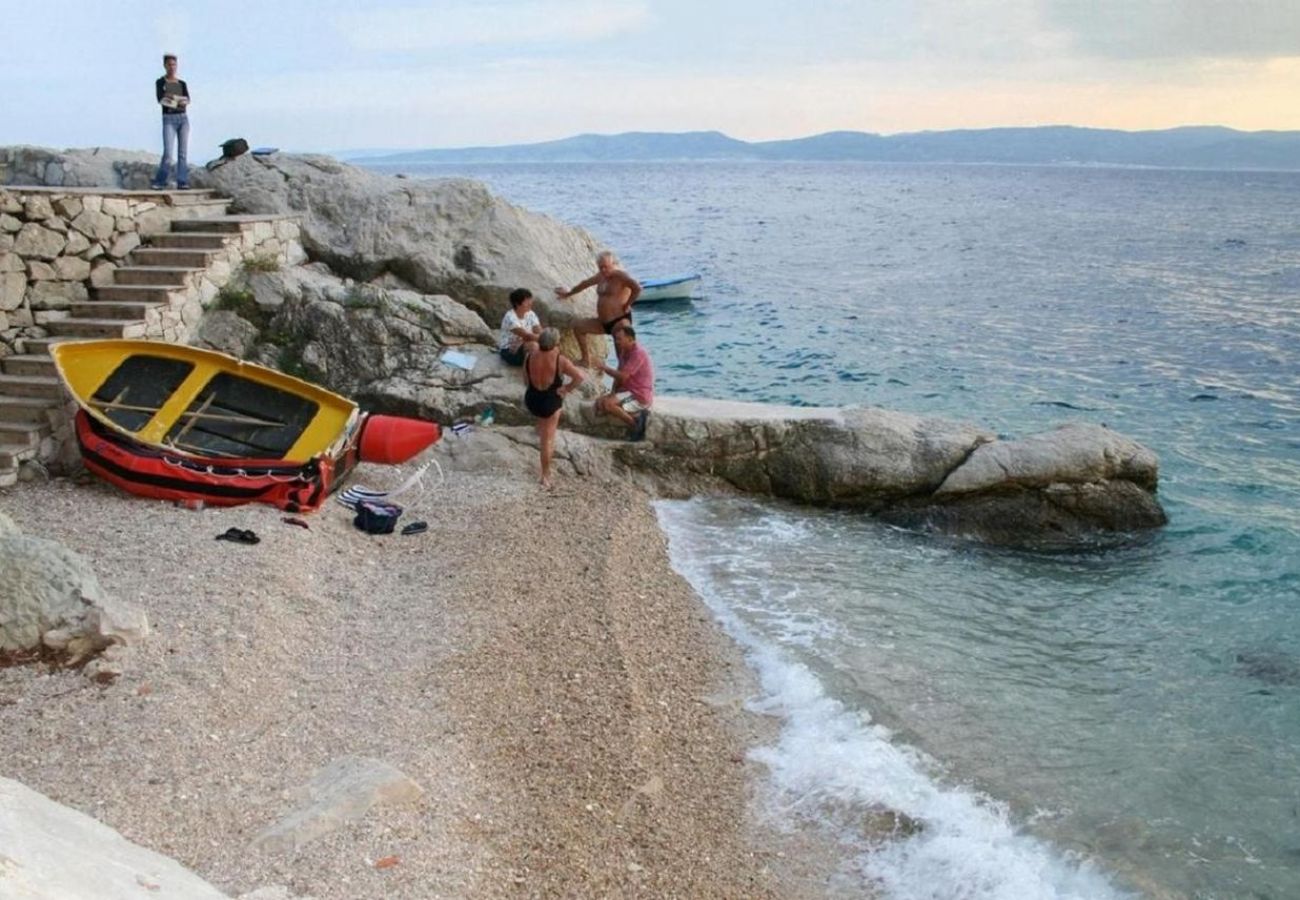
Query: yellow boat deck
[200,401]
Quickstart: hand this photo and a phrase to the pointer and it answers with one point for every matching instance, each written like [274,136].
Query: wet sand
[570,709]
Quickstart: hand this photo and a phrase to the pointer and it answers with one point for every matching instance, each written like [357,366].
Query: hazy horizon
[371,148]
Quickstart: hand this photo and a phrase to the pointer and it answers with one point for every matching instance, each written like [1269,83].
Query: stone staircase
[145,299]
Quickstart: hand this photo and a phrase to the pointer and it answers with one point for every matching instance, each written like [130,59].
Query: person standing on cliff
[633,392]
[616,291]
[173,95]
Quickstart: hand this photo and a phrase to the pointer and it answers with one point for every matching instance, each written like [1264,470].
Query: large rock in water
[858,457]
[446,236]
[1061,488]
[1073,487]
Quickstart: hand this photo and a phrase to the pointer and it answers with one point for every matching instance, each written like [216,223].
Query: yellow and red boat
[182,423]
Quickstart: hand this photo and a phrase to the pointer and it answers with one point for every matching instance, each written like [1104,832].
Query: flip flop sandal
[240,536]
[416,528]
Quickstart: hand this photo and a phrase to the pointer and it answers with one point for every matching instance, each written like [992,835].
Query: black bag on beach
[376,516]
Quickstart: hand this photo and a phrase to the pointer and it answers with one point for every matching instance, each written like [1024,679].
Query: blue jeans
[176,139]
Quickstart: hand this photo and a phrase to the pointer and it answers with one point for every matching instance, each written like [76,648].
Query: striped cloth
[351,496]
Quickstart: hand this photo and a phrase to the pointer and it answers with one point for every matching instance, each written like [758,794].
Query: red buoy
[392,440]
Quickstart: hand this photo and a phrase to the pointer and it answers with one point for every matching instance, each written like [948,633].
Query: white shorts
[628,403]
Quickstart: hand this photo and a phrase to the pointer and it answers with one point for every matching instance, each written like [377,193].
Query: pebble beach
[568,707]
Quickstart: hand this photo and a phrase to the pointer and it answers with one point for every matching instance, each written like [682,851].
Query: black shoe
[239,536]
[182,187]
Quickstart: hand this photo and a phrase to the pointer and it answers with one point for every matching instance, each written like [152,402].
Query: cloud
[1178,29]
[172,28]
[498,23]
[446,105]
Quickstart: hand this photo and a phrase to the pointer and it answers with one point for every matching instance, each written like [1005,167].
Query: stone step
[222,224]
[196,198]
[171,194]
[173,276]
[13,454]
[25,434]
[213,210]
[27,364]
[40,346]
[190,240]
[136,293]
[47,386]
[126,310]
[97,328]
[31,410]
[169,258]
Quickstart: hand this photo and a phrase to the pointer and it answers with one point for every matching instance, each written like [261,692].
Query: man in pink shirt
[634,384]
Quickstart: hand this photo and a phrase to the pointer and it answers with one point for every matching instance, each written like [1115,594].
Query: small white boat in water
[681,287]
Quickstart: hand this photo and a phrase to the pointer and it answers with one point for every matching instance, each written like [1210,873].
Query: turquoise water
[1080,725]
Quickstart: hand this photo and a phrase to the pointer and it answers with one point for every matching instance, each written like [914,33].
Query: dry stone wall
[256,243]
[58,245]
[100,167]
[55,247]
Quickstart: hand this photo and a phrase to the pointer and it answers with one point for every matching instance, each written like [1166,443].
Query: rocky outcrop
[382,346]
[446,236]
[49,851]
[87,167]
[853,457]
[49,596]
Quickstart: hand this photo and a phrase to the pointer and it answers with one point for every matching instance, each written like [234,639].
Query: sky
[331,76]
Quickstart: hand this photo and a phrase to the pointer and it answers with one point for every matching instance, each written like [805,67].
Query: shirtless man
[616,291]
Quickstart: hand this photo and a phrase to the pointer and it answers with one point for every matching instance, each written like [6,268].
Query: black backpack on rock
[229,150]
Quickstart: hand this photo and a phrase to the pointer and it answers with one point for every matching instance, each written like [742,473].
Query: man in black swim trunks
[616,291]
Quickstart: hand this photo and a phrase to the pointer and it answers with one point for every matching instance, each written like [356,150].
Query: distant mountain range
[1209,147]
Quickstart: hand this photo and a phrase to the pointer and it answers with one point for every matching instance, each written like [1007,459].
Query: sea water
[1118,722]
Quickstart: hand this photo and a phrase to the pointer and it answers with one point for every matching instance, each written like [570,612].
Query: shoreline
[570,707]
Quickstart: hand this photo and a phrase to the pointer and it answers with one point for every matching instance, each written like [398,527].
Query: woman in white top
[520,328]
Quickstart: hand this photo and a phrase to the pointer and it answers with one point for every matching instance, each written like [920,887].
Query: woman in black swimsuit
[544,371]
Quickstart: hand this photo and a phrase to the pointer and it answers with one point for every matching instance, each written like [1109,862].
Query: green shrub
[267,262]
[239,299]
[358,297]
[289,360]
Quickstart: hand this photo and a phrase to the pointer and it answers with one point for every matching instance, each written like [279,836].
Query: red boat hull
[165,475]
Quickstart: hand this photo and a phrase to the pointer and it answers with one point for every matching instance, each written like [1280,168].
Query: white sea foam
[833,766]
